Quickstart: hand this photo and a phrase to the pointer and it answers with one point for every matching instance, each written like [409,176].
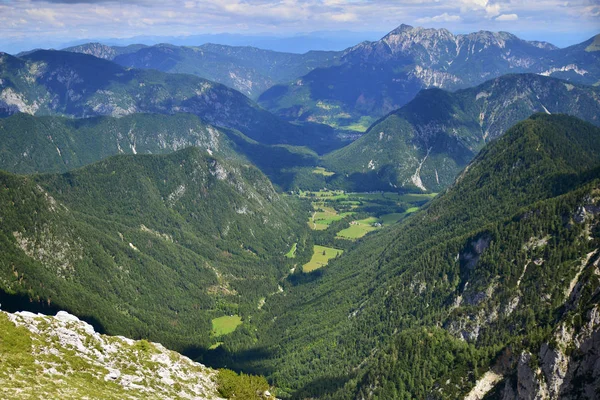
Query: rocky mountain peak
[400,29]
[542,45]
[594,44]
[95,49]
[417,34]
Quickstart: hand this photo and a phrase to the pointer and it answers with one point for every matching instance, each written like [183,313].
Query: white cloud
[489,8]
[445,17]
[45,15]
[492,10]
[507,17]
[344,17]
[72,19]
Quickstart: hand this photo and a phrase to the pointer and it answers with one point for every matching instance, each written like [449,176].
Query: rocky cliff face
[567,364]
[63,357]
[567,368]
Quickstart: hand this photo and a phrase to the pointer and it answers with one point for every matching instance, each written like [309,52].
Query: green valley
[456,282]
[414,217]
[150,246]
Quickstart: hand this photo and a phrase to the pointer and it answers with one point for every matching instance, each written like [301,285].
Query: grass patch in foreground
[242,386]
[320,258]
[292,252]
[358,228]
[225,325]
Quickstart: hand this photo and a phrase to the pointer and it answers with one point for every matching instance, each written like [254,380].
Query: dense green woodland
[149,246]
[346,334]
[155,246]
[31,144]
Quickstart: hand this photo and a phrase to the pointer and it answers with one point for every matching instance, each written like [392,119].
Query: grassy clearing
[390,219]
[292,252]
[317,227]
[225,324]
[361,125]
[359,228]
[216,345]
[324,195]
[320,258]
[417,197]
[322,171]
[324,216]
[374,203]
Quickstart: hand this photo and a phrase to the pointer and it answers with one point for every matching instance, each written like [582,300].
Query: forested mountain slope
[499,272]
[30,144]
[80,85]
[147,246]
[426,143]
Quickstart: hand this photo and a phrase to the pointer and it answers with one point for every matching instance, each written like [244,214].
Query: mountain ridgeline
[149,246]
[79,85]
[375,78]
[496,277]
[247,69]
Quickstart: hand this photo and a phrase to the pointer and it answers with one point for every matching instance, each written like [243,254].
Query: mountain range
[374,78]
[246,69]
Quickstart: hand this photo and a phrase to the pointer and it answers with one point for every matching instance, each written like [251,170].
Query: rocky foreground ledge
[62,357]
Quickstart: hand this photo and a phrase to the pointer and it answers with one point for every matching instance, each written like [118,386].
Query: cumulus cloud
[344,17]
[445,17]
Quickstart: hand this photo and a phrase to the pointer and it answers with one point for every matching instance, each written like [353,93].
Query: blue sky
[39,22]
